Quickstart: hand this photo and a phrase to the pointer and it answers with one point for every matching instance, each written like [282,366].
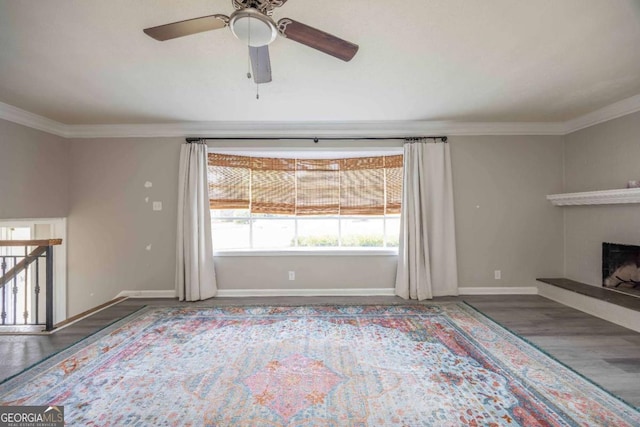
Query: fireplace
[620,266]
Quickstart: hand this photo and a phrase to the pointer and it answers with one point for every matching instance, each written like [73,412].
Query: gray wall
[34,173]
[514,229]
[600,157]
[110,225]
[311,272]
[503,220]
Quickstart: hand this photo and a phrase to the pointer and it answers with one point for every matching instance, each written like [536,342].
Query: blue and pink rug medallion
[405,365]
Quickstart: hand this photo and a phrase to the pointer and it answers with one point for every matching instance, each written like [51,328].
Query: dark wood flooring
[607,354]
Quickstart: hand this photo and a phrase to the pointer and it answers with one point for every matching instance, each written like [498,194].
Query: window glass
[318,232]
[392,231]
[14,233]
[229,213]
[273,233]
[230,233]
[362,232]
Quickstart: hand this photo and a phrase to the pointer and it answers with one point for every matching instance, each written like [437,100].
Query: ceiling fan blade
[319,40]
[260,64]
[186,28]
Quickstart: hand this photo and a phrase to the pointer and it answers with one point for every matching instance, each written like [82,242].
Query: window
[283,203]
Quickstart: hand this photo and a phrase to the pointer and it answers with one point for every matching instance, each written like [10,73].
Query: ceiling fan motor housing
[264,6]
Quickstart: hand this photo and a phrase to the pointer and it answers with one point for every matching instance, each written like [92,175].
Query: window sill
[306,252]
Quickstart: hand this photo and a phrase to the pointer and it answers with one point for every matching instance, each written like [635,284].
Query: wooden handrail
[46,242]
[41,247]
[28,259]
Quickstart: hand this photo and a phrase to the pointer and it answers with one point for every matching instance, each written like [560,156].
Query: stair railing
[15,271]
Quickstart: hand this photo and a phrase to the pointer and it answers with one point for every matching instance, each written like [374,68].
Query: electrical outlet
[497,274]
[292,275]
[157,206]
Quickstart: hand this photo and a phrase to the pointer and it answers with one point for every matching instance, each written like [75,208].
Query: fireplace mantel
[606,197]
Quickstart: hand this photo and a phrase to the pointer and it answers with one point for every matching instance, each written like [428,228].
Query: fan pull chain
[257,91]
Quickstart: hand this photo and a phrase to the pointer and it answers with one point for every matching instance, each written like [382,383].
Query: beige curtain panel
[427,264]
[195,273]
[353,186]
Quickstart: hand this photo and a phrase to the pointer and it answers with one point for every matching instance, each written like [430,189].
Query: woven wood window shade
[273,186]
[229,181]
[393,178]
[354,186]
[362,186]
[318,187]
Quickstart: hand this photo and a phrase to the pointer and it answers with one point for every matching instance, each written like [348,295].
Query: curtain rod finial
[190,140]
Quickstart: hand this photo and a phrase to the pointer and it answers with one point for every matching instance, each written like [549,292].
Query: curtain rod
[317,139]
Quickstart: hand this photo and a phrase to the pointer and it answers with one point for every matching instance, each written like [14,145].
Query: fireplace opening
[621,267]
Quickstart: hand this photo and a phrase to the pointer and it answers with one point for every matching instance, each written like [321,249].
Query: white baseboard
[226,293]
[498,290]
[610,312]
[344,292]
[148,294]
[239,293]
[350,292]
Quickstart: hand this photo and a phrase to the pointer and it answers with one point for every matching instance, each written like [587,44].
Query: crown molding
[613,111]
[311,129]
[504,128]
[318,129]
[34,121]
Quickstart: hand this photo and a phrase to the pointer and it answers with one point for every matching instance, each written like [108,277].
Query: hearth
[620,266]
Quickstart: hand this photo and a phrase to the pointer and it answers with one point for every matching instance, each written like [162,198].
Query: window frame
[250,218]
[301,149]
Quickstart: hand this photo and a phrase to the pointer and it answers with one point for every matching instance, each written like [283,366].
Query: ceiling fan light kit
[252,23]
[252,27]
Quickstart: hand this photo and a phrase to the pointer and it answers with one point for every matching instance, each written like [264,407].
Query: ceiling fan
[252,23]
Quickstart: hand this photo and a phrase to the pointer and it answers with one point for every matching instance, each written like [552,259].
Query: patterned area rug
[408,365]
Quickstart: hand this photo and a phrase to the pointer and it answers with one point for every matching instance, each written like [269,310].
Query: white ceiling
[88,62]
